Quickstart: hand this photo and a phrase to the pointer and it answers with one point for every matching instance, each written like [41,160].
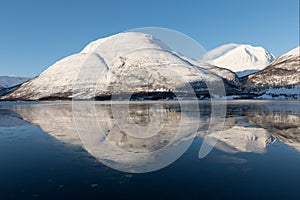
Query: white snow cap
[240,57]
[126,41]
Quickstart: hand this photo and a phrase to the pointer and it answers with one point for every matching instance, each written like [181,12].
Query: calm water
[98,151]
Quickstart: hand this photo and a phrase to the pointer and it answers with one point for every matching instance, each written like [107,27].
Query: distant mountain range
[10,83]
[140,64]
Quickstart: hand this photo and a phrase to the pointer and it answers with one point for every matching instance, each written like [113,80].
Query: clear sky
[35,34]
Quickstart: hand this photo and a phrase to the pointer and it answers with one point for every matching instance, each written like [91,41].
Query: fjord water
[45,152]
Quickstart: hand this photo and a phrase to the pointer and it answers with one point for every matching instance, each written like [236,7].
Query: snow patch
[281,93]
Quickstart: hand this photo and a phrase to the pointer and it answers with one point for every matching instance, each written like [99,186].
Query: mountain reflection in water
[60,150]
[249,127]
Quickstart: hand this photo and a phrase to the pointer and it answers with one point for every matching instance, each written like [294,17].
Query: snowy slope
[240,57]
[220,51]
[10,81]
[122,63]
[280,79]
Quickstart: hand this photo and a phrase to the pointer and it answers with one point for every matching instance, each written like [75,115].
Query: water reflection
[10,119]
[282,120]
[249,127]
[109,141]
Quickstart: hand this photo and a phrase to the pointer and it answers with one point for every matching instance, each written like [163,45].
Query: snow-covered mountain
[120,64]
[140,64]
[10,81]
[240,58]
[281,79]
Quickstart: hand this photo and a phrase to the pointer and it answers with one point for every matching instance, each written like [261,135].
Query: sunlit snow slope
[123,63]
[240,58]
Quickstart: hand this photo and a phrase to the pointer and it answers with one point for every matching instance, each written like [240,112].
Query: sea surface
[237,149]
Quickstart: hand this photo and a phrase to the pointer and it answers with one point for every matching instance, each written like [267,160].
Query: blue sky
[35,34]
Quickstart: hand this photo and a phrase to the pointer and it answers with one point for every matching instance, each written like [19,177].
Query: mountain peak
[124,63]
[280,79]
[124,41]
[240,57]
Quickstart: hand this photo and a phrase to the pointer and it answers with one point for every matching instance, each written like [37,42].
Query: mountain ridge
[123,63]
[240,57]
[137,63]
[280,78]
